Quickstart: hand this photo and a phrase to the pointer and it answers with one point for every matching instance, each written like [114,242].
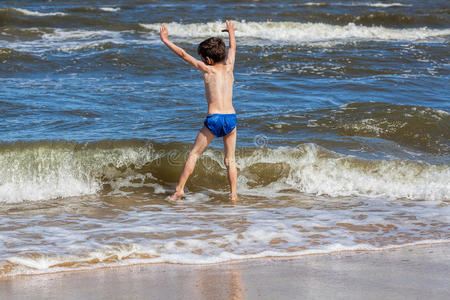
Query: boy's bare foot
[234,198]
[177,195]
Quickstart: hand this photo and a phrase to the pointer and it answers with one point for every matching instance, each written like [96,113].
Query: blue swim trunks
[221,124]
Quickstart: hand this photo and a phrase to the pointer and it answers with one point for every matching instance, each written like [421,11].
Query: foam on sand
[134,254]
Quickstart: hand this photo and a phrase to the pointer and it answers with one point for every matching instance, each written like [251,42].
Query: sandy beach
[416,272]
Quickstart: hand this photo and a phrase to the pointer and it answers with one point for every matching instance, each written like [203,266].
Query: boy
[217,70]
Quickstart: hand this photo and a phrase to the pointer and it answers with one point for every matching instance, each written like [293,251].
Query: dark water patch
[416,127]
[375,18]
[8,55]
[353,60]
[109,57]
[12,34]
[12,61]
[82,9]
[398,20]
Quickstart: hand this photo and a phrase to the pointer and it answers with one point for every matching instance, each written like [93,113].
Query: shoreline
[404,272]
[231,261]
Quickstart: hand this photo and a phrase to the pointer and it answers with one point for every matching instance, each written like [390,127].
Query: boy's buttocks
[221,124]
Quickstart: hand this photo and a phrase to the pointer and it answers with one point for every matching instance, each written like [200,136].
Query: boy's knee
[229,161]
[194,154]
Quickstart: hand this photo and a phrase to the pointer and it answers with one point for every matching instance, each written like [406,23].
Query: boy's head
[212,48]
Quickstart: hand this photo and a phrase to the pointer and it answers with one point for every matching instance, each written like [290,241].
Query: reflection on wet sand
[224,283]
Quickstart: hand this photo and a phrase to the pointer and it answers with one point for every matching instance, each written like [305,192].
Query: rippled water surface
[343,131]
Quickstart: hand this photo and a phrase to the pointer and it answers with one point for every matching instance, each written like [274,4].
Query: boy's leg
[203,139]
[229,144]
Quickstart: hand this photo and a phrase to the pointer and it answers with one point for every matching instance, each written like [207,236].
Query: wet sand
[417,272]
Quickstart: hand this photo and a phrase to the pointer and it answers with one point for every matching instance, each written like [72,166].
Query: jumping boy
[217,70]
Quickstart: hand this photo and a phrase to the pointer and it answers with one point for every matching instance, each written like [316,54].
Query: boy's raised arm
[198,64]
[232,47]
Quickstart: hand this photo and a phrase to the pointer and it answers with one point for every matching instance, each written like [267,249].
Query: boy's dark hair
[214,48]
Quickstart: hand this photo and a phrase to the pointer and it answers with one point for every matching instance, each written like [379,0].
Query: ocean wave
[298,33]
[46,170]
[371,4]
[11,55]
[37,13]
[38,40]
[64,35]
[76,18]
[379,4]
[314,170]
[412,126]
[356,4]
[66,40]
[415,128]
[63,40]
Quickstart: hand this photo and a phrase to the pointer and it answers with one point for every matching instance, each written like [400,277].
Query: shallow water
[343,131]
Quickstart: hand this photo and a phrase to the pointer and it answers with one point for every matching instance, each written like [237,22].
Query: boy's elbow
[182,54]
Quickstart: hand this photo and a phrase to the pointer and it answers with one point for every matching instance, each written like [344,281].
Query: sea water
[343,131]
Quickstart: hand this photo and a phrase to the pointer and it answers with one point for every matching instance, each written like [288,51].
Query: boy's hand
[230,27]
[164,33]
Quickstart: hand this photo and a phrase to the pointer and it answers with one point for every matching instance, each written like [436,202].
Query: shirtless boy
[217,70]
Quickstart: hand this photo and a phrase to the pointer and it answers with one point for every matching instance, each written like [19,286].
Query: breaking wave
[53,169]
[298,33]
[370,4]
[37,13]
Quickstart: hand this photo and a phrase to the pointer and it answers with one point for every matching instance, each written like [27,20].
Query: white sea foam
[302,33]
[71,40]
[37,13]
[248,33]
[370,4]
[110,9]
[64,185]
[129,255]
[66,40]
[198,231]
[314,4]
[41,173]
[313,170]
[77,35]
[379,4]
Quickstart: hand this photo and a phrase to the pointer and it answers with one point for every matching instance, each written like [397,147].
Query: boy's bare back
[219,89]
[218,77]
